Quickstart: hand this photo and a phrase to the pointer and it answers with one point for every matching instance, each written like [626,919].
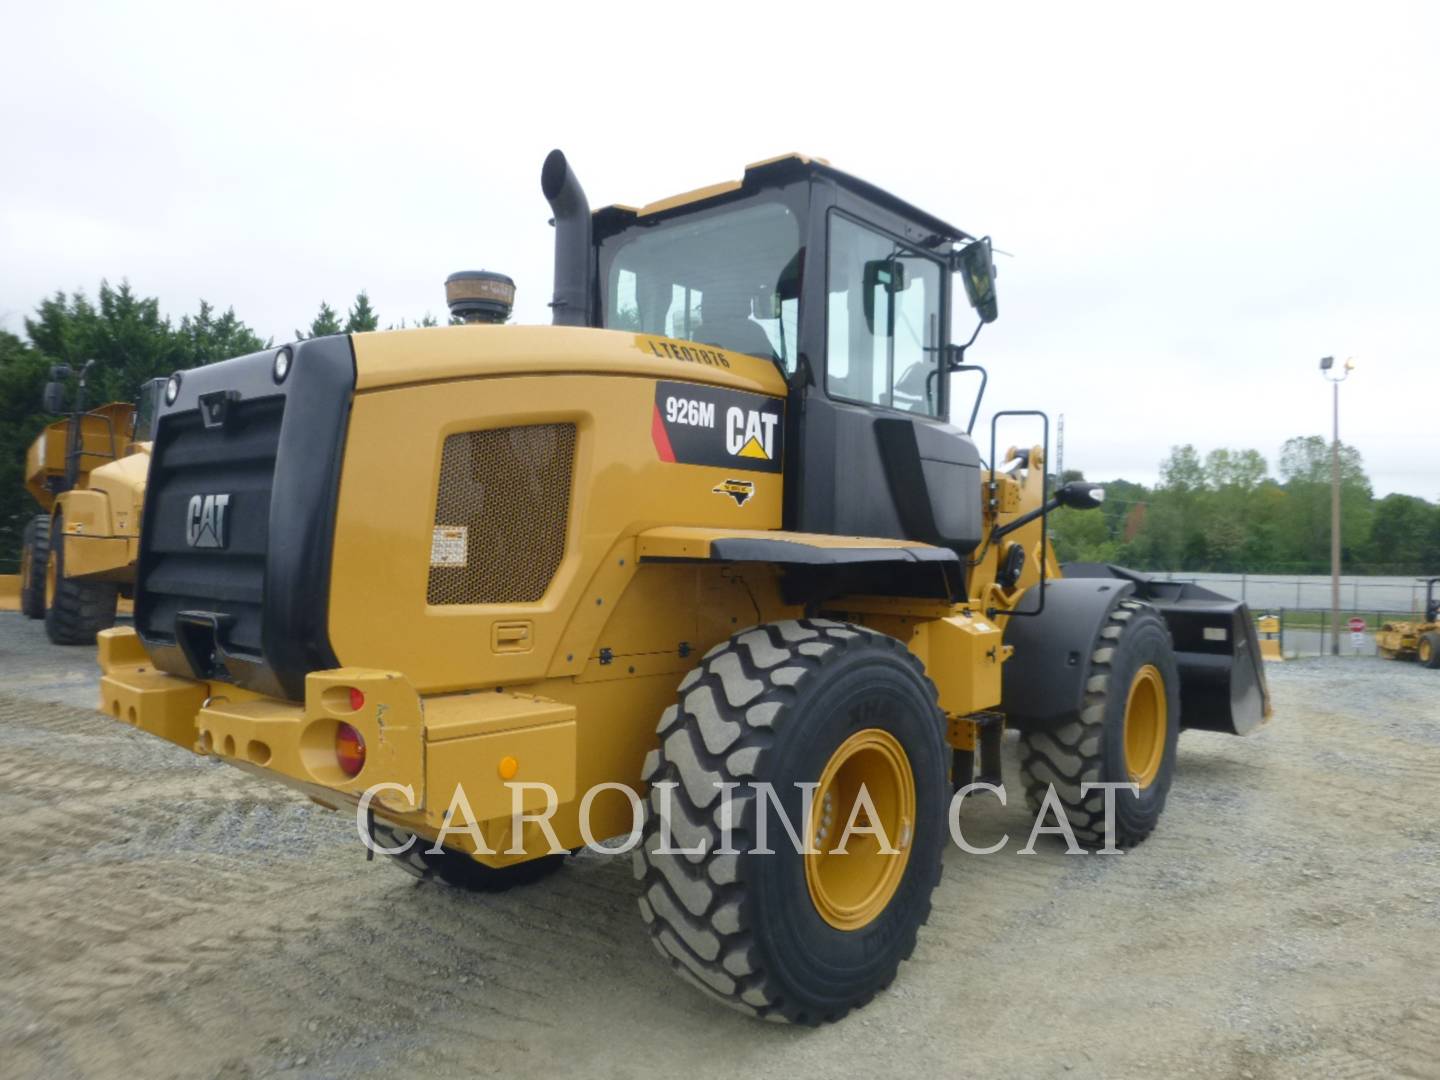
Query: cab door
[876,456]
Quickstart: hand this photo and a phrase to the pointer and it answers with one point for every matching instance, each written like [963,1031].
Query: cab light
[349,749]
[281,366]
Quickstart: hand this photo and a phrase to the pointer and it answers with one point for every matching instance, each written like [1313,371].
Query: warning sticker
[449,545]
[707,425]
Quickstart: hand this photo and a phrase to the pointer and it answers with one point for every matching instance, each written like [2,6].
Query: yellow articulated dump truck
[88,473]
[704,558]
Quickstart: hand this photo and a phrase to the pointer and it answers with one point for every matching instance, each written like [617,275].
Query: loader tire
[1126,732]
[459,870]
[34,552]
[1427,650]
[75,610]
[782,935]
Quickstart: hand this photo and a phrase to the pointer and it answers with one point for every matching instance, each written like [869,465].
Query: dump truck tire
[75,610]
[459,870]
[1427,650]
[1126,732]
[788,936]
[34,551]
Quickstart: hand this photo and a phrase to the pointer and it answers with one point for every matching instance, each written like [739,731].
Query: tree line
[130,342]
[1226,512]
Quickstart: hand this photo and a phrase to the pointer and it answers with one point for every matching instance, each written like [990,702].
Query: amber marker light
[350,747]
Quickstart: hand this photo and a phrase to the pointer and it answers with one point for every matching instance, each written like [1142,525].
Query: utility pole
[1060,449]
[1326,364]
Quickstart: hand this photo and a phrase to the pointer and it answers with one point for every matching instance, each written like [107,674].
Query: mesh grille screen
[501,517]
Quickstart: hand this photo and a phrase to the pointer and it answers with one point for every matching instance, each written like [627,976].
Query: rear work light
[349,749]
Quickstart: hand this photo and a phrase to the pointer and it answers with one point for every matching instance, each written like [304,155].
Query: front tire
[788,936]
[1427,651]
[1126,732]
[34,552]
[75,610]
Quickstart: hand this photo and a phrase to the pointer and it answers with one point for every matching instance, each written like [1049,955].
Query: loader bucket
[1222,678]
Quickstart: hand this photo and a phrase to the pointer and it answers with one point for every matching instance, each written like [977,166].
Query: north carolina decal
[739,490]
[706,425]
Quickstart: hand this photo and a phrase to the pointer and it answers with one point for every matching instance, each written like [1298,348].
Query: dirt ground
[165,915]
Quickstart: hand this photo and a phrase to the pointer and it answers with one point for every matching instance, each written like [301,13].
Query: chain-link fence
[1308,631]
[1302,606]
[1404,596]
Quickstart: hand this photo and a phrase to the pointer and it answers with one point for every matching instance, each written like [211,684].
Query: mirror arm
[955,354]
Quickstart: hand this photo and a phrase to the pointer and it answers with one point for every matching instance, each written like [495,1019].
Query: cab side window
[882,321]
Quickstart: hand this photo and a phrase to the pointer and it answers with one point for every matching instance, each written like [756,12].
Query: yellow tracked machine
[705,554]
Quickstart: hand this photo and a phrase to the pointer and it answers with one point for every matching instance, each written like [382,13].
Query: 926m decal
[707,425]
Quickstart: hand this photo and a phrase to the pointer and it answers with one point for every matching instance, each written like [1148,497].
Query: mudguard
[1043,682]
[1222,678]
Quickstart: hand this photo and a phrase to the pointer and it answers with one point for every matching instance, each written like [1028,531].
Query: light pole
[1327,364]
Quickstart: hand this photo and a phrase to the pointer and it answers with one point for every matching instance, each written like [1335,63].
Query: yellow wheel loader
[1418,641]
[702,568]
[88,474]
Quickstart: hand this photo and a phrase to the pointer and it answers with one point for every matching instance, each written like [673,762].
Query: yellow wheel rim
[1146,725]
[25,564]
[1425,651]
[851,888]
[50,580]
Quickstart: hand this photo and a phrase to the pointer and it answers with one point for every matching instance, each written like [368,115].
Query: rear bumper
[290,742]
[418,751]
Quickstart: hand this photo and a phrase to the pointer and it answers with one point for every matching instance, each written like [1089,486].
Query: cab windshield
[729,278]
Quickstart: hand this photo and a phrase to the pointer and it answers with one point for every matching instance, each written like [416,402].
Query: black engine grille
[237,461]
[245,599]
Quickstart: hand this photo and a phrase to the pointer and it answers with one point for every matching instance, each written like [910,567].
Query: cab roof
[772,172]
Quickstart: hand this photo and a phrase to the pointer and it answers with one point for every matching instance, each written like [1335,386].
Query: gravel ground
[171,916]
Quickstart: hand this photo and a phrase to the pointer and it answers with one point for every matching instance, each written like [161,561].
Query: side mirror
[887,275]
[1080,495]
[976,264]
[53,399]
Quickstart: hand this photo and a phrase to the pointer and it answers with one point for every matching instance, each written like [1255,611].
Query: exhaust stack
[573,276]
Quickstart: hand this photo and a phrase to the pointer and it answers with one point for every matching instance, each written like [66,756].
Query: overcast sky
[1198,206]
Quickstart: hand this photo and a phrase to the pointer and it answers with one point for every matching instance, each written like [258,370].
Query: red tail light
[349,748]
[357,699]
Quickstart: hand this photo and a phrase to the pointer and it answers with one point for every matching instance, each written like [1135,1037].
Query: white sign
[448,547]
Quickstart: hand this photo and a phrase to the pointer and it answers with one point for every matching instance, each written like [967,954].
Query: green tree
[125,334]
[129,341]
[1081,536]
[204,338]
[1305,472]
[22,378]
[1403,533]
[1239,470]
[362,317]
[1181,471]
[326,322]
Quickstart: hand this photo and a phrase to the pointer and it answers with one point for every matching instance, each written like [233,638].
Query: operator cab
[848,290]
